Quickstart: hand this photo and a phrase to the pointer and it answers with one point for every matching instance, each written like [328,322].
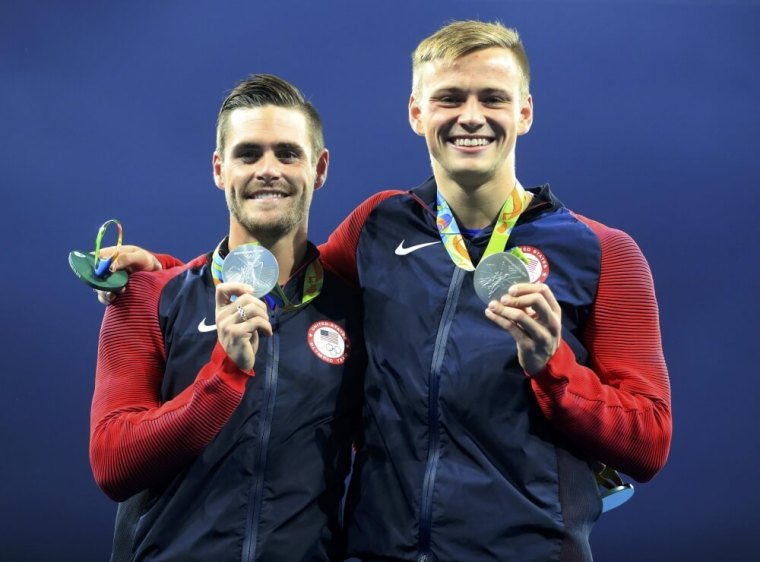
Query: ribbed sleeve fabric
[339,252]
[136,441]
[616,410]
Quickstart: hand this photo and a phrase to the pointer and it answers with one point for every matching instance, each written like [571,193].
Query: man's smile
[266,194]
[470,141]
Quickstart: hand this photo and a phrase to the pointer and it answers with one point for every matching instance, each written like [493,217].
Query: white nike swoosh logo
[203,327]
[401,251]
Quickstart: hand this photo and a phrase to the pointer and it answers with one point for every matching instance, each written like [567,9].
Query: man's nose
[268,168]
[472,114]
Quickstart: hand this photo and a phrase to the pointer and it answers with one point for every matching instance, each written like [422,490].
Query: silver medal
[496,273]
[254,265]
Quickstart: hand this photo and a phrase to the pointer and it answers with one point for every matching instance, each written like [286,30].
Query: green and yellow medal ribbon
[453,241]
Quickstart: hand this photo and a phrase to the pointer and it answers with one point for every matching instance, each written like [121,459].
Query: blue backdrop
[645,118]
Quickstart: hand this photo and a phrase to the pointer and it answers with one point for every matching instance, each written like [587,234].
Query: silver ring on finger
[241,313]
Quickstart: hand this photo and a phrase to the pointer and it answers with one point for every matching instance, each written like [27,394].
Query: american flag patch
[328,341]
[329,336]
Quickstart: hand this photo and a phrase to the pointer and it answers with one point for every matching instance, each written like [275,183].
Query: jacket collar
[543,199]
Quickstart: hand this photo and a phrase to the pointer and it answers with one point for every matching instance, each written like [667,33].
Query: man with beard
[223,436]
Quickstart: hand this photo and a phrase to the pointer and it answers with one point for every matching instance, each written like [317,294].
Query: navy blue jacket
[269,485]
[459,461]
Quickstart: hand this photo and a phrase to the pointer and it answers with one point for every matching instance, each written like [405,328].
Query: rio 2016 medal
[254,265]
[496,273]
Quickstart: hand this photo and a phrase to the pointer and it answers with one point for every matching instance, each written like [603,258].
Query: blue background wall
[645,118]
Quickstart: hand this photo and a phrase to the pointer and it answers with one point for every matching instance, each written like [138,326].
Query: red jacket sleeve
[136,440]
[339,252]
[617,409]
[167,261]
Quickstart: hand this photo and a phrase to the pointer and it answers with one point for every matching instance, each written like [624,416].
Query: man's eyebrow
[462,91]
[247,146]
[244,146]
[295,147]
[447,90]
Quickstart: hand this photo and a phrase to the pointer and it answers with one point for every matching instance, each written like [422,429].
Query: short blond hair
[460,38]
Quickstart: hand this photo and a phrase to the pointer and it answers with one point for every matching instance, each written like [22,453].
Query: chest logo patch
[538,265]
[203,327]
[402,250]
[329,342]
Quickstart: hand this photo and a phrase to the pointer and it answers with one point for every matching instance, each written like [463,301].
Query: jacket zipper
[257,489]
[434,452]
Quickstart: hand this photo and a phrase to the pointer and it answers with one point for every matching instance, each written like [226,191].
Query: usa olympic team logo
[329,342]
[538,265]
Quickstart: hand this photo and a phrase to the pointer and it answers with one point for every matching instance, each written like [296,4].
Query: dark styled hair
[259,90]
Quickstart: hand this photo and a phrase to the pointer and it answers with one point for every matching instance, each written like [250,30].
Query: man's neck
[476,206]
[289,250]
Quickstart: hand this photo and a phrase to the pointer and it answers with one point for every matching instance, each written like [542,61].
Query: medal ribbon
[453,240]
[312,283]
[102,265]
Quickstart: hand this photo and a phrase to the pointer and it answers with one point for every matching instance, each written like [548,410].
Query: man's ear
[526,116]
[216,166]
[414,116]
[323,162]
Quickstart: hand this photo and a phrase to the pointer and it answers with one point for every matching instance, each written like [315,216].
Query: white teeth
[471,142]
[268,196]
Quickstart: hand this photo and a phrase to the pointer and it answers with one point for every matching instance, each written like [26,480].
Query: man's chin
[471,176]
[262,228]
[268,231]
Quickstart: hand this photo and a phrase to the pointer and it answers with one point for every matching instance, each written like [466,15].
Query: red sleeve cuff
[553,378]
[226,369]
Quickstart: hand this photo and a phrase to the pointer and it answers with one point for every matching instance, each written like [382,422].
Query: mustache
[266,185]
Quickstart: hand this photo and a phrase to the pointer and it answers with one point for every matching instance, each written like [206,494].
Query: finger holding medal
[128,258]
[533,317]
[131,258]
[240,319]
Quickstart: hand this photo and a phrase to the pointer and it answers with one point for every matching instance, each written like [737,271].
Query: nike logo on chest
[403,251]
[203,327]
